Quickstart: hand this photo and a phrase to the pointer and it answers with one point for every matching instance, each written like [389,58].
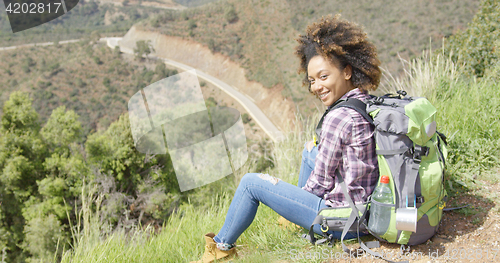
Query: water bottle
[380,210]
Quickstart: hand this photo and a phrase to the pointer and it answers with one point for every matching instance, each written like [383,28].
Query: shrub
[116,52]
[191,24]
[25,68]
[79,83]
[475,47]
[155,22]
[184,15]
[106,82]
[245,118]
[97,60]
[143,48]
[214,47]
[230,14]
[44,238]
[54,68]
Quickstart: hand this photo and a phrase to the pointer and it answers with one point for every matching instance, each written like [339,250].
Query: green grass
[468,114]
[181,238]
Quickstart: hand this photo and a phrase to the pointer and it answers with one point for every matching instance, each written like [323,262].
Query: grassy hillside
[472,165]
[467,114]
[260,34]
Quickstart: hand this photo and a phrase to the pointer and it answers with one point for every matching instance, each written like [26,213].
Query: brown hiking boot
[212,253]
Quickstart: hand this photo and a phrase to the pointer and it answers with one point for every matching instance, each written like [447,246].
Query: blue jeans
[307,165]
[290,201]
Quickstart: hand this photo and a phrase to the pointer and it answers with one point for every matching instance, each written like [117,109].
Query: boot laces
[211,250]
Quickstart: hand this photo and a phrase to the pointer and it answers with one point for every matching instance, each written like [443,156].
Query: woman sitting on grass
[339,63]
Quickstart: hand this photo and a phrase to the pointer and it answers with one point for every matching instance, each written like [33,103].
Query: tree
[44,234]
[18,114]
[59,189]
[245,118]
[22,151]
[161,71]
[42,173]
[62,128]
[143,48]
[113,151]
[230,14]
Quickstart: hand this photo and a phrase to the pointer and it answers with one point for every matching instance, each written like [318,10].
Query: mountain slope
[259,34]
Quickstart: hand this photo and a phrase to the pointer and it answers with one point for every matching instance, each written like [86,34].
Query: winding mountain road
[255,112]
[39,44]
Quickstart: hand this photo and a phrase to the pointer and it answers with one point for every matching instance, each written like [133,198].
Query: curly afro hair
[342,42]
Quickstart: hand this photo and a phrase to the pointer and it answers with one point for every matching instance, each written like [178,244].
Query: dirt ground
[466,235]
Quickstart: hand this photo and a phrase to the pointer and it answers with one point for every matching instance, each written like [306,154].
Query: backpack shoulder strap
[351,103]
[356,105]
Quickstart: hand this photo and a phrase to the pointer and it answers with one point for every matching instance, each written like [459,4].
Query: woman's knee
[247,178]
[257,178]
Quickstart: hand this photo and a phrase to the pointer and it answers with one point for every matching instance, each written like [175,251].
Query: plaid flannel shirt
[347,146]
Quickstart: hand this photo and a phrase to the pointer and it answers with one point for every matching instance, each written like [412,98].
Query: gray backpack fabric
[412,153]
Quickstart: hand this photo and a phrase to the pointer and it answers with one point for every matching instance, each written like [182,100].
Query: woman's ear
[347,72]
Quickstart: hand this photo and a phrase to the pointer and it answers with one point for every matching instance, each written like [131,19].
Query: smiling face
[328,81]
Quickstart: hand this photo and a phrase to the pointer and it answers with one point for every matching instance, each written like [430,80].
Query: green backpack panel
[412,153]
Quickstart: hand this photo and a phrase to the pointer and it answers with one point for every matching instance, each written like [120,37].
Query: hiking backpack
[412,153]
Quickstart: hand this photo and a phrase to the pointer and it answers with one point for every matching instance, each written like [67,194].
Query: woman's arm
[335,130]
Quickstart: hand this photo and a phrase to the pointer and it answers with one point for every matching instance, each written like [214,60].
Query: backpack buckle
[378,101]
[401,92]
[324,226]
[418,151]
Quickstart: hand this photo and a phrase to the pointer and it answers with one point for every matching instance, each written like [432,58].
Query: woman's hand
[310,145]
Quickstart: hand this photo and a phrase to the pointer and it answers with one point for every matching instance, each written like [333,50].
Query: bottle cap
[384,179]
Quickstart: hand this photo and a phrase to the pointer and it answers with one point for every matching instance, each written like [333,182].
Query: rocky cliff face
[280,111]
